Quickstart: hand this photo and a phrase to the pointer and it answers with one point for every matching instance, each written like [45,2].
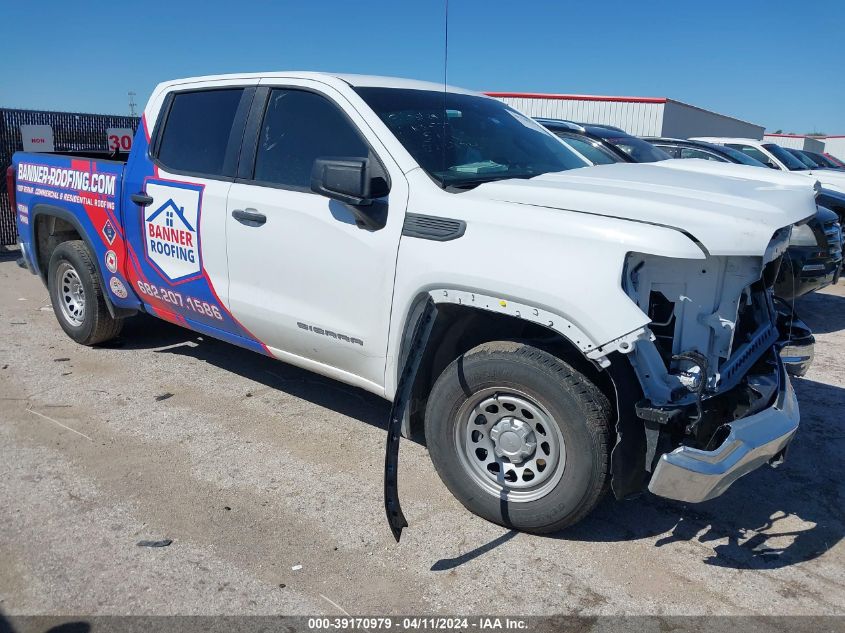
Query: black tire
[576,406]
[95,323]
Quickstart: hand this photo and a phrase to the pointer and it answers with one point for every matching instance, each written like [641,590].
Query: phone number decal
[180,301]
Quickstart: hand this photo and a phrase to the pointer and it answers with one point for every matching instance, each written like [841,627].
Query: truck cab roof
[353,80]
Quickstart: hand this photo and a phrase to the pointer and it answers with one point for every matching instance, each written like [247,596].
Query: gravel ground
[254,468]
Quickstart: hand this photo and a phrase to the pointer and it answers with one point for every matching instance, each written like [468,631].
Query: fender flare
[65,215]
[476,300]
[499,305]
[628,473]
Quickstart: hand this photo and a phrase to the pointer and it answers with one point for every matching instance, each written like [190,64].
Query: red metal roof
[562,97]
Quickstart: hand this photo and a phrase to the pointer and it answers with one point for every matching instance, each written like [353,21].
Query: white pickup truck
[556,329]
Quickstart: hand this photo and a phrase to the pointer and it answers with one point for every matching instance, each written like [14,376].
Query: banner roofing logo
[171,229]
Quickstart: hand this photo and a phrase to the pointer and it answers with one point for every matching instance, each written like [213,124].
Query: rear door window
[689,152]
[198,131]
[753,152]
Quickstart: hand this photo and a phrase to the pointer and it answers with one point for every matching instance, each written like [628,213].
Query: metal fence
[72,131]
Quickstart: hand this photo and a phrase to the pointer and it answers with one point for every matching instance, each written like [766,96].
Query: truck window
[299,127]
[689,152]
[589,149]
[196,131]
[753,152]
[673,151]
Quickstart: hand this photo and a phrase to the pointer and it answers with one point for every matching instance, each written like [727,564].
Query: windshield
[804,158]
[792,163]
[638,149]
[821,160]
[741,157]
[464,140]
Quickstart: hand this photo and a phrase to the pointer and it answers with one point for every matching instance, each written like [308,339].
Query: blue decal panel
[150,257]
[87,189]
[165,244]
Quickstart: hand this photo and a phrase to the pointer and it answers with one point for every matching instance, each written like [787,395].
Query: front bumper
[693,475]
[806,269]
[796,339]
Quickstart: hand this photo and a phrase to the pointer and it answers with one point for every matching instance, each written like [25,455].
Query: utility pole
[132,104]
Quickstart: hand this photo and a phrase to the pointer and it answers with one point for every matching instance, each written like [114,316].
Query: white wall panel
[796,142]
[682,120]
[642,119]
[835,146]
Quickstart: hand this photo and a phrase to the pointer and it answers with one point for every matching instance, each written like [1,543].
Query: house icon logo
[170,209]
[170,230]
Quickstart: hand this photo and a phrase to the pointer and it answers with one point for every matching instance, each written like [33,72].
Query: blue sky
[779,63]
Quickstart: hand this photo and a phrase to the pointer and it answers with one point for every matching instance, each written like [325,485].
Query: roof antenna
[445,69]
[446,46]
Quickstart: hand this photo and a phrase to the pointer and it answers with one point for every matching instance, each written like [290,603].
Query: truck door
[303,277]
[175,209]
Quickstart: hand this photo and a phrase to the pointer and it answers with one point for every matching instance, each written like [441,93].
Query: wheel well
[457,329]
[50,231]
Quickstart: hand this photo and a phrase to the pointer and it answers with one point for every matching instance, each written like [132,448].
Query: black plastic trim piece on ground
[392,507]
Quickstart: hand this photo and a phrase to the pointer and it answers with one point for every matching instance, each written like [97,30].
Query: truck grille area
[833,235]
[710,322]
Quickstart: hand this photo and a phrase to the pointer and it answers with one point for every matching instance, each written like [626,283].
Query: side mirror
[349,180]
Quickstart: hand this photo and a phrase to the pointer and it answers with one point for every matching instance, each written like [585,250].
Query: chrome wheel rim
[71,294]
[510,445]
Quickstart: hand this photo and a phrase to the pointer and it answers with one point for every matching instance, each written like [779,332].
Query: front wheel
[519,437]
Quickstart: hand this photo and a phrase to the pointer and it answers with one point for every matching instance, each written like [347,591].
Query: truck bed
[78,192]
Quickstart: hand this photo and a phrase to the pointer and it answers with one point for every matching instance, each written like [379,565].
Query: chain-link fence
[72,131]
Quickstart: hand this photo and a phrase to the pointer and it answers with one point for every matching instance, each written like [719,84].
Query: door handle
[141,199]
[250,217]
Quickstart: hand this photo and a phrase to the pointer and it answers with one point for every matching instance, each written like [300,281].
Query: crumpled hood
[729,209]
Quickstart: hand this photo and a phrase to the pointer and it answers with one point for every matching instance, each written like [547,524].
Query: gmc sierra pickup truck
[555,329]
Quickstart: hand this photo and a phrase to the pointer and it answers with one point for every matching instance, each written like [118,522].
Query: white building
[835,146]
[796,141]
[641,116]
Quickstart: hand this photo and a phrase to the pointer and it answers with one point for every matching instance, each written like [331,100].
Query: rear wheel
[77,295]
[519,437]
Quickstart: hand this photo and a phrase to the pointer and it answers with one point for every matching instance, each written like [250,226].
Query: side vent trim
[430,227]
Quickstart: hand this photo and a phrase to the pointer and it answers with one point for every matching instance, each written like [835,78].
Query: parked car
[834,160]
[822,160]
[779,158]
[555,330]
[814,257]
[804,157]
[606,141]
[685,148]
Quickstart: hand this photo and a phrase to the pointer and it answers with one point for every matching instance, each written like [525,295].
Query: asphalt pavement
[267,480]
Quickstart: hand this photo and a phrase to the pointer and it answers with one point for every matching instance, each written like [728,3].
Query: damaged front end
[716,400]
